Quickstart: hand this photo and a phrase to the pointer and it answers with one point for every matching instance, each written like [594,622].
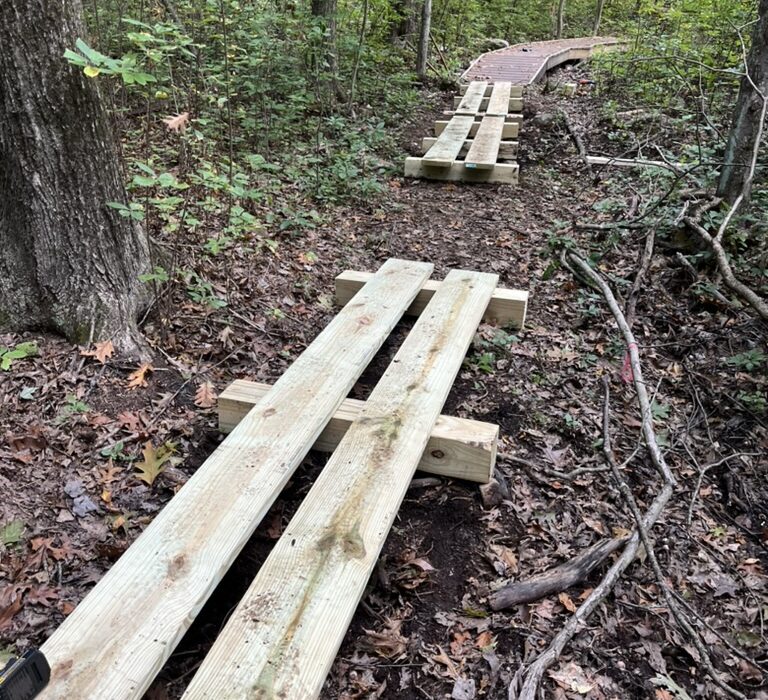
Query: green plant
[748,360]
[754,401]
[19,352]
[72,406]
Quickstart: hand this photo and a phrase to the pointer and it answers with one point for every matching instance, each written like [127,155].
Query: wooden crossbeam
[511,104]
[510,116]
[501,173]
[507,306]
[514,90]
[472,99]
[499,101]
[119,637]
[485,147]
[507,149]
[511,129]
[458,448]
[450,142]
[282,638]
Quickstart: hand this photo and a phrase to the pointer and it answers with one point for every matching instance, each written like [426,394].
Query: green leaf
[91,71]
[11,533]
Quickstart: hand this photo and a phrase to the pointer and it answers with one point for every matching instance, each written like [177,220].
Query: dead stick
[645,262]
[558,579]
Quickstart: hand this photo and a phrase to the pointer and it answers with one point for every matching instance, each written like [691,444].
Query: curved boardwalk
[523,64]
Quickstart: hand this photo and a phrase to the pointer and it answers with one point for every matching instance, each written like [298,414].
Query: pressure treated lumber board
[458,448]
[281,640]
[514,90]
[498,103]
[507,306]
[450,142]
[507,149]
[511,128]
[501,173]
[485,147]
[118,638]
[472,99]
[511,104]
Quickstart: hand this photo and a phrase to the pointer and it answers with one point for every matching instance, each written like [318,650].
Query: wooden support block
[450,142]
[512,104]
[472,99]
[514,90]
[511,129]
[501,173]
[121,634]
[516,117]
[507,149]
[458,448]
[485,147]
[507,306]
[282,638]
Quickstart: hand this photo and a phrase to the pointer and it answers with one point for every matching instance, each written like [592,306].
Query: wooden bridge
[473,143]
[283,636]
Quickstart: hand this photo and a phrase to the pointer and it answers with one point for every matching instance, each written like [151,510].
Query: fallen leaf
[388,643]
[484,640]
[571,677]
[101,351]
[205,396]
[568,604]
[154,461]
[177,122]
[42,595]
[139,377]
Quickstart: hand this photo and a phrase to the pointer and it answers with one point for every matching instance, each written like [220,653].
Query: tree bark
[598,17]
[405,26]
[325,10]
[560,19]
[423,51]
[748,115]
[68,262]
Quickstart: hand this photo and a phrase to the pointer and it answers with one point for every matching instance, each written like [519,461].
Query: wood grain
[506,307]
[119,637]
[458,448]
[449,143]
[485,147]
[472,99]
[284,634]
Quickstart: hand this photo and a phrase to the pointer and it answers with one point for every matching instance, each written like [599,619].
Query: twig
[642,270]
[577,140]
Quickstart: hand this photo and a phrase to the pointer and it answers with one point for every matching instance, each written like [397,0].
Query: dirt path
[424,628]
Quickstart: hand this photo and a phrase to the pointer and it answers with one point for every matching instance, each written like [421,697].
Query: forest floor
[75,431]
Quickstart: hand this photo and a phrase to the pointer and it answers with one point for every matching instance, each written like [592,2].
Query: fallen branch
[642,270]
[576,138]
[558,579]
[634,163]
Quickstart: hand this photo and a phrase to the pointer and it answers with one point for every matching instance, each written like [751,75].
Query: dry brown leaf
[484,640]
[568,604]
[139,377]
[178,122]
[154,461]
[389,643]
[101,351]
[506,556]
[205,396]
[571,677]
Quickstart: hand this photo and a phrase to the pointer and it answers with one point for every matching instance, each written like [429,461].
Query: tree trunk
[68,262]
[598,17]
[560,19]
[423,52]
[325,10]
[748,115]
[405,26]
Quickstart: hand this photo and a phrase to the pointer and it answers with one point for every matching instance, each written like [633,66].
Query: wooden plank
[511,117]
[458,448]
[473,98]
[501,173]
[507,149]
[281,640]
[498,104]
[515,90]
[511,104]
[449,143]
[506,308]
[119,637]
[511,128]
[485,148]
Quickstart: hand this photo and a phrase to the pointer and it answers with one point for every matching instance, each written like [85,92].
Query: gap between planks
[284,635]
[507,307]
[118,638]
[458,448]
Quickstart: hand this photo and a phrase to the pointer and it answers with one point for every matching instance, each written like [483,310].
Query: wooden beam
[511,117]
[507,306]
[512,104]
[449,143]
[499,101]
[485,148]
[511,129]
[472,99]
[119,637]
[514,90]
[507,149]
[458,448]
[501,173]
[282,638]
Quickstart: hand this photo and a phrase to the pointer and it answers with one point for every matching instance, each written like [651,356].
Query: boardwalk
[523,64]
